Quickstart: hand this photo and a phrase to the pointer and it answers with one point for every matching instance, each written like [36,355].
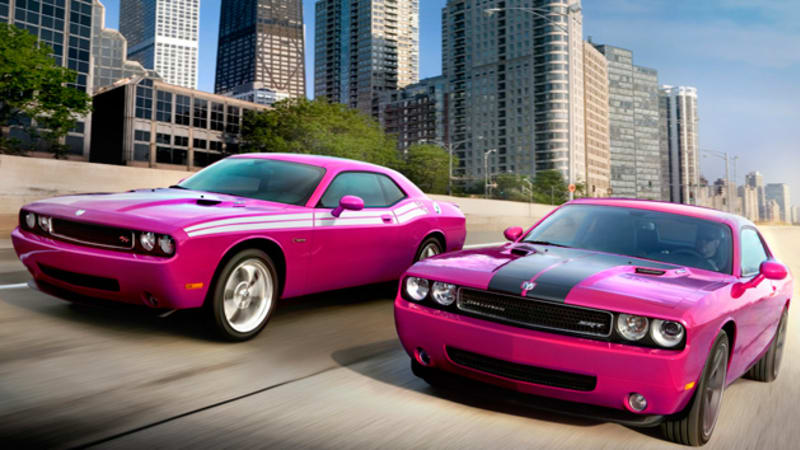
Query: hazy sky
[741,55]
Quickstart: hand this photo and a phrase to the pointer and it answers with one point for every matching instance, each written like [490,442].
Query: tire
[767,368]
[429,247]
[246,312]
[695,424]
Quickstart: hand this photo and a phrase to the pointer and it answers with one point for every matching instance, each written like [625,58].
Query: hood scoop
[522,250]
[649,271]
[207,202]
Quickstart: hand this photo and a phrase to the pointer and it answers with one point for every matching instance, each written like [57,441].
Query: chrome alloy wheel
[712,393]
[429,250]
[248,295]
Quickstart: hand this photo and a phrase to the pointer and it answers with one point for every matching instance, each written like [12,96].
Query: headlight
[666,333]
[417,288]
[148,241]
[166,244]
[30,220]
[632,328]
[46,224]
[444,293]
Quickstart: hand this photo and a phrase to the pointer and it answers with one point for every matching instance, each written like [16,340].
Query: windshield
[669,238]
[262,179]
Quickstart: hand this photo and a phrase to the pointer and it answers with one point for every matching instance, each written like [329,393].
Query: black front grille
[96,235]
[80,279]
[533,313]
[522,372]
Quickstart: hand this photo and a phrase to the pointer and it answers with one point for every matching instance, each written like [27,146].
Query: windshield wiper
[553,244]
[177,186]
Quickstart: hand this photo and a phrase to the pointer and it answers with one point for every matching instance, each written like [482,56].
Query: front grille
[96,235]
[533,313]
[80,279]
[522,372]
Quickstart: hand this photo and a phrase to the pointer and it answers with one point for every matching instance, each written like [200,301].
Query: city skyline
[710,45]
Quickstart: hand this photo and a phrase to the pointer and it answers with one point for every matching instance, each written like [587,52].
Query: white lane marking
[254,227]
[14,286]
[489,244]
[249,219]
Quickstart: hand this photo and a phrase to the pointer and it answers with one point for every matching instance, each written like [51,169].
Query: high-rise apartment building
[756,181]
[364,48]
[163,35]
[748,196]
[109,50]
[633,126]
[516,86]
[261,52]
[416,113]
[595,100]
[678,106]
[779,192]
[66,27]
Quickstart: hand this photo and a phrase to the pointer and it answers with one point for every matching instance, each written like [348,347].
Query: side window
[753,252]
[371,187]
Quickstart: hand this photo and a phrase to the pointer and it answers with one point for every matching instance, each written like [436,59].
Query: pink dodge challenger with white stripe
[237,236]
[648,309]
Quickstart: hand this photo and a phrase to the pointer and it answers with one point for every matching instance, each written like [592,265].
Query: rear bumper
[107,274]
[660,375]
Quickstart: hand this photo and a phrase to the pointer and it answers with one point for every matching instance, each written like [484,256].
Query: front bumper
[60,267]
[662,376]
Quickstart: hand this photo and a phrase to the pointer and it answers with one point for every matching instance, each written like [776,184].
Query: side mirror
[773,270]
[513,233]
[350,203]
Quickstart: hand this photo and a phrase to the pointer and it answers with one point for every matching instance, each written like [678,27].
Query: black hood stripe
[567,268]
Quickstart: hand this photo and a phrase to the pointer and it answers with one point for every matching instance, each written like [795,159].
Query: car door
[758,311]
[358,247]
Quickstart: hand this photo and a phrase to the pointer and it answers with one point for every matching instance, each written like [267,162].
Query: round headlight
[148,241]
[417,288]
[45,224]
[632,328]
[30,220]
[444,293]
[166,244]
[666,333]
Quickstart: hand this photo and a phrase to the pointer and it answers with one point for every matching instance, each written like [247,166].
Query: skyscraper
[779,192]
[109,50]
[633,126]
[163,35]
[416,113]
[516,87]
[261,52]
[364,48]
[756,181]
[65,26]
[595,98]
[678,106]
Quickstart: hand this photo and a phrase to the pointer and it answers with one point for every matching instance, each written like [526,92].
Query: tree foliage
[321,128]
[33,86]
[428,166]
[549,187]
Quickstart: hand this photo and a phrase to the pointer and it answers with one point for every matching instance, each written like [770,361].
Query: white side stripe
[411,215]
[250,219]
[254,227]
[345,222]
[405,208]
[349,214]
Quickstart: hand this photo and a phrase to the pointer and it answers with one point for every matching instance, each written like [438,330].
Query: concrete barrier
[24,180]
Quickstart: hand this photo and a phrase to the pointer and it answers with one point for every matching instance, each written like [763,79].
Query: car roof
[327,162]
[699,212]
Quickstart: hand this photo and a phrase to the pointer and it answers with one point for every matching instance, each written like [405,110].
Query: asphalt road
[328,372]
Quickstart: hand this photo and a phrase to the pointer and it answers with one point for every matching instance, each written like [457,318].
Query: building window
[141,135]
[181,141]
[218,116]
[183,110]
[233,119]
[201,144]
[202,159]
[141,152]
[144,100]
[163,138]
[163,106]
[200,113]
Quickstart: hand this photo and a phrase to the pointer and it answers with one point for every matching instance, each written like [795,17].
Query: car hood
[574,276]
[163,210]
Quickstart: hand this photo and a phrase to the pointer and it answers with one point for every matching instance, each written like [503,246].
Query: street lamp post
[543,13]
[486,171]
[723,156]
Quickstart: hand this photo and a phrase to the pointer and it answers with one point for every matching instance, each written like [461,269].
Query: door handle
[387,218]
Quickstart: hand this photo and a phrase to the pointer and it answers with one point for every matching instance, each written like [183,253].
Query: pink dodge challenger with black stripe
[647,310]
[237,236]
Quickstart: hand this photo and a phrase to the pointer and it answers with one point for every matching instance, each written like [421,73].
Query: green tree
[428,166]
[511,187]
[33,86]
[321,128]
[549,187]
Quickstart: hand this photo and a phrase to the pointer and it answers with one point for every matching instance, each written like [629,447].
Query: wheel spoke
[247,298]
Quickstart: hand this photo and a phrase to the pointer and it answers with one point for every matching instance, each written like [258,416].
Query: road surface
[327,372]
